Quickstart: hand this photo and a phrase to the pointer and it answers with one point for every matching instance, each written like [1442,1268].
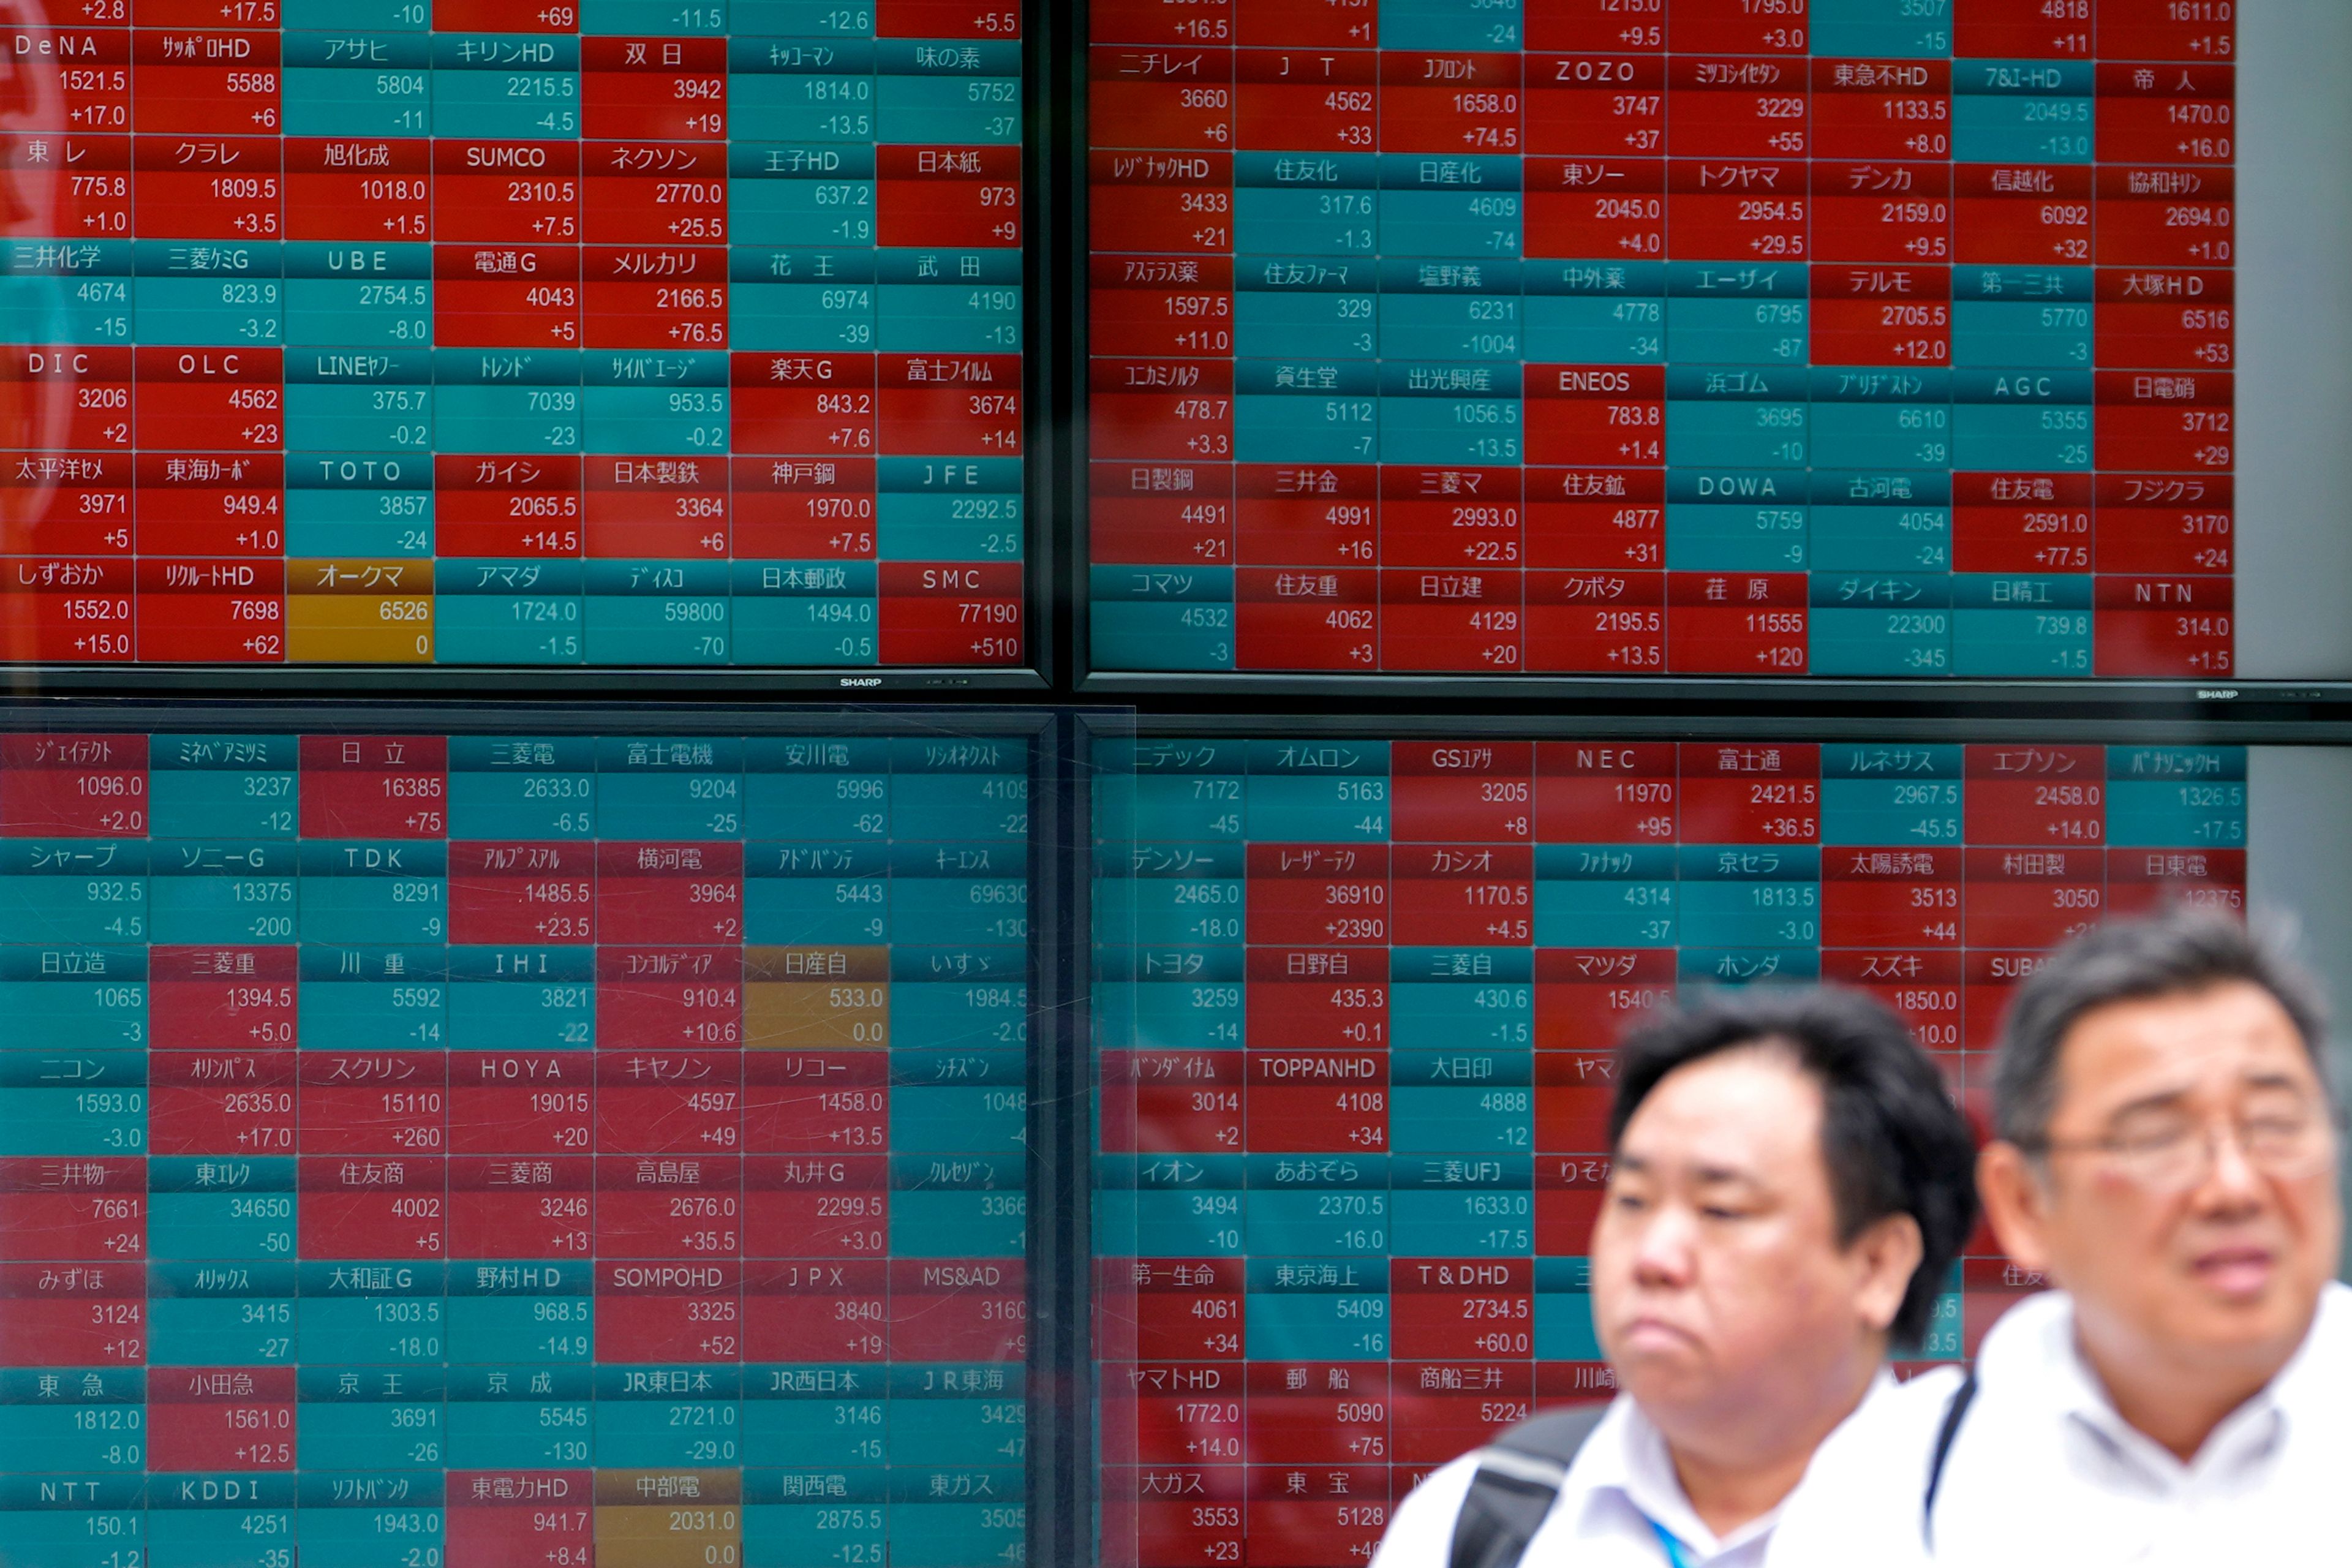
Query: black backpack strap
[1946,1435]
[1519,1477]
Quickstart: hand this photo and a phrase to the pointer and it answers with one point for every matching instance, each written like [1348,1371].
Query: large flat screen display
[605,332]
[1978,338]
[425,1150]
[1355,998]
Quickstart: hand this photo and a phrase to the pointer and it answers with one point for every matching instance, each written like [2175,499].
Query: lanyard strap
[1675,1556]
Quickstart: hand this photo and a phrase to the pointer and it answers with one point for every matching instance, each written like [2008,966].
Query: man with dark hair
[1789,1187]
[2166,1155]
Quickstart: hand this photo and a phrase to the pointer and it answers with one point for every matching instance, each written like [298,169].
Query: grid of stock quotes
[1354,1002]
[1885,338]
[466,1151]
[616,333]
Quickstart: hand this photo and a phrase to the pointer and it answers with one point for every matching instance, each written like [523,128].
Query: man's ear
[2016,1197]
[1888,1250]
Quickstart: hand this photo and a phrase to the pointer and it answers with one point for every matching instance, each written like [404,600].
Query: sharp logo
[2216,693]
[857,682]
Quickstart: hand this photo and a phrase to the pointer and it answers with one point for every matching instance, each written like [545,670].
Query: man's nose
[1663,1255]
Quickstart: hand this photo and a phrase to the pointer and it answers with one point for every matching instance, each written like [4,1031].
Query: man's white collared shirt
[2044,1470]
[1622,1490]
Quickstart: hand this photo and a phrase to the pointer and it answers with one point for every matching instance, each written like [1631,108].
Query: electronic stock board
[1884,338]
[517,1146]
[1355,998]
[607,333]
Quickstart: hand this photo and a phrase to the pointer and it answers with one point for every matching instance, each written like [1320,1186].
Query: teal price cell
[375,15]
[1880,418]
[1751,896]
[509,612]
[505,86]
[1908,794]
[657,612]
[84,998]
[1206,906]
[955,301]
[507,400]
[239,1519]
[957,1207]
[345,296]
[223,786]
[966,509]
[223,890]
[1327,206]
[846,1519]
[229,1310]
[1698,967]
[815,1416]
[2025,112]
[945,1009]
[1444,999]
[347,1421]
[1734,313]
[1563,1309]
[1726,520]
[2004,626]
[209,294]
[654,405]
[981,1525]
[372,998]
[1882,29]
[94,1421]
[644,1420]
[965,95]
[799,93]
[392,890]
[87,303]
[1445,414]
[793,895]
[354,83]
[387,1315]
[958,1429]
[818,788]
[803,301]
[521,787]
[957,910]
[1595,312]
[683,788]
[1155,617]
[70,890]
[1187,1206]
[1945,1339]
[1481,1206]
[2176,797]
[1429,311]
[815,612]
[1450,25]
[529,1415]
[1460,1102]
[1738,417]
[540,1312]
[2022,317]
[1169,997]
[1305,308]
[829,19]
[652,19]
[971,789]
[89,1519]
[1320,411]
[1315,1206]
[1462,208]
[927,1118]
[1880,521]
[1316,1308]
[351,400]
[1317,792]
[1880,625]
[85,1105]
[372,505]
[1151,789]
[505,999]
[2014,420]
[350,1522]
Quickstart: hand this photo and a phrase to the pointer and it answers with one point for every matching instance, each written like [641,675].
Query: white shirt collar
[1626,1463]
[2031,1353]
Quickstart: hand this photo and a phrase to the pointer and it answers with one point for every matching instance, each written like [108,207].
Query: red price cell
[1596,519]
[2032,899]
[1736,623]
[2166,523]
[838,1308]
[1595,106]
[521,892]
[1312,100]
[373,192]
[669,1100]
[1882,109]
[1307,619]
[1601,793]
[952,1308]
[1886,897]
[1730,210]
[1882,212]
[1331,1000]
[1745,107]
[506,506]
[1160,410]
[1166,1099]
[1608,416]
[1750,794]
[653,88]
[521,1102]
[951,614]
[224,1102]
[521,1206]
[669,1310]
[2167,217]
[1447,103]
[1877,315]
[2025,214]
[2182,626]
[1465,896]
[225,1418]
[1159,513]
[690,1206]
[2021,522]
[1474,793]
[818,1205]
[1744,26]
[948,195]
[1310,515]
[1613,208]
[2045,796]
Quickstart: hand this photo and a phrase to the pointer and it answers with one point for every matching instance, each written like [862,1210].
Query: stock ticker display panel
[614,332]
[1883,338]
[1355,1000]
[427,1151]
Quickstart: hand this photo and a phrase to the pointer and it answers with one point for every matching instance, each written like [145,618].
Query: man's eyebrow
[2162,1099]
